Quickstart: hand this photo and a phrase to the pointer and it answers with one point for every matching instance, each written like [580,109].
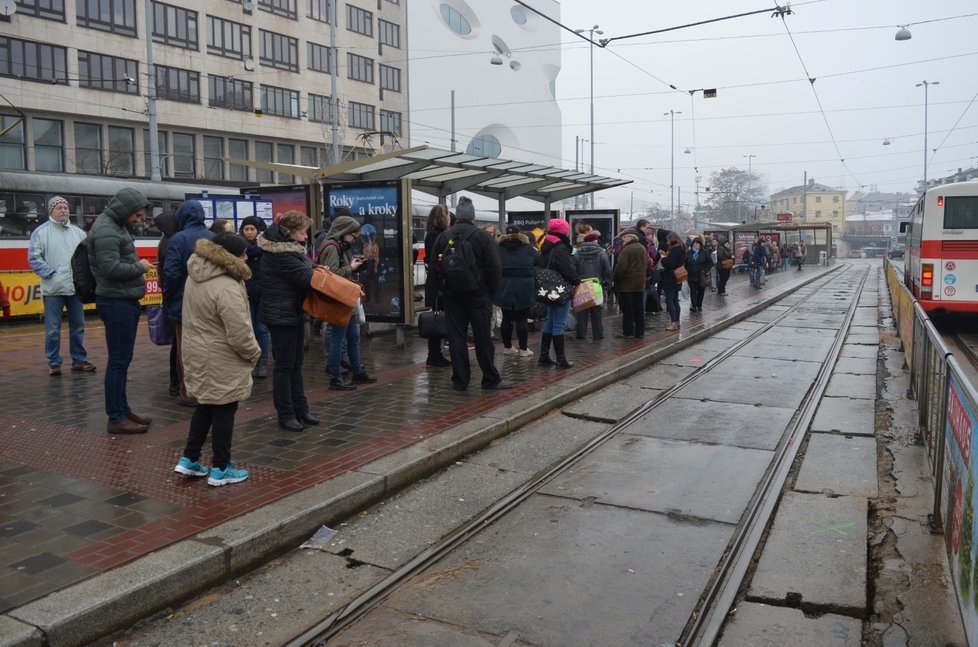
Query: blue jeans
[672,302]
[261,330]
[351,335]
[121,319]
[755,275]
[557,318]
[54,306]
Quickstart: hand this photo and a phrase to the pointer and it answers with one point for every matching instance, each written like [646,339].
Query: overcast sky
[765,105]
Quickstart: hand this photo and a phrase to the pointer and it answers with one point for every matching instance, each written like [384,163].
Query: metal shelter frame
[441,173]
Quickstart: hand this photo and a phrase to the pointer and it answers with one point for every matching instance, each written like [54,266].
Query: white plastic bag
[360,314]
[685,291]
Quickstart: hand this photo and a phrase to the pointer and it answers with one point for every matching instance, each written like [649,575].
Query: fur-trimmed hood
[513,240]
[210,260]
[274,240]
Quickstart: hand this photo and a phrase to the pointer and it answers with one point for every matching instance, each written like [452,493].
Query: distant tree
[734,195]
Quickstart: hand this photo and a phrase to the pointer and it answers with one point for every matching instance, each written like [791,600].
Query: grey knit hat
[55,201]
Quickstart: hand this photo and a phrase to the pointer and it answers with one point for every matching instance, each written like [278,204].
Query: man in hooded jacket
[119,285]
[190,229]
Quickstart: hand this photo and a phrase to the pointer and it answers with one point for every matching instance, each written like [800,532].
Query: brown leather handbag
[332,297]
[681,274]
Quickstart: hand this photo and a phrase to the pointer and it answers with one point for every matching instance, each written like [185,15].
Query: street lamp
[672,163]
[592,31]
[750,177]
[926,85]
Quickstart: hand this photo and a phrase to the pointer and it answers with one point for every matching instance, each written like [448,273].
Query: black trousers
[511,318]
[597,325]
[460,313]
[288,392]
[722,277]
[696,292]
[219,420]
[632,313]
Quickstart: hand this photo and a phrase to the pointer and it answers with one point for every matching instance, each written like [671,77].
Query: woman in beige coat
[219,352]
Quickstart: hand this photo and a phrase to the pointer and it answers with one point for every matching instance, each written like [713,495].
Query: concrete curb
[115,600]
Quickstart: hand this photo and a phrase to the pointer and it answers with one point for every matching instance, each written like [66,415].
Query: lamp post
[592,31]
[750,177]
[672,163]
[926,85]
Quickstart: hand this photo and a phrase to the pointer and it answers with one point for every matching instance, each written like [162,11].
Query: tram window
[74,208]
[21,213]
[961,212]
[149,222]
[91,207]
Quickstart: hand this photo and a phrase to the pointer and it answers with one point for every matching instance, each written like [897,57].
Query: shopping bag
[685,290]
[157,326]
[583,296]
[432,323]
[598,293]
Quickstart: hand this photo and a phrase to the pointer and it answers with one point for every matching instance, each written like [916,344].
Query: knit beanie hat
[592,236]
[255,222]
[233,243]
[557,226]
[465,209]
[512,229]
[55,201]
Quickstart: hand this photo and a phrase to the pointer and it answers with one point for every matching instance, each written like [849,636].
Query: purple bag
[158,333]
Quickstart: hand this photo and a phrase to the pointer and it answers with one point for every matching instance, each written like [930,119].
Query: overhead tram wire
[954,127]
[818,100]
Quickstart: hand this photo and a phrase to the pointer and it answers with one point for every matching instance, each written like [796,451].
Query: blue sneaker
[189,468]
[229,474]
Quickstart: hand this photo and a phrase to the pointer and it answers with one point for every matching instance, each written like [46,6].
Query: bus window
[961,212]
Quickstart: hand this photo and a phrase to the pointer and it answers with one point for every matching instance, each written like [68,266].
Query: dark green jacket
[111,251]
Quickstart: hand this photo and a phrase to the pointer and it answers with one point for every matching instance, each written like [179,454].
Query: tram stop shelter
[816,236]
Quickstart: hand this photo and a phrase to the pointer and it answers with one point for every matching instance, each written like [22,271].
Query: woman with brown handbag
[674,259]
[725,263]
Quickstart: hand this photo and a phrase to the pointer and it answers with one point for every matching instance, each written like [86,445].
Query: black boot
[545,350]
[559,351]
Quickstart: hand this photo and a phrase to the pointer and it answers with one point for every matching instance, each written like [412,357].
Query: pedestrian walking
[698,264]
[438,221]
[336,255]
[250,228]
[469,282]
[629,281]
[758,260]
[555,253]
[593,264]
[286,272]
[120,284]
[725,263]
[221,351]
[49,253]
[516,294]
[674,258]
[190,229]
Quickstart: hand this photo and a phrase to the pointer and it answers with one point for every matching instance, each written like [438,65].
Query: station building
[813,202]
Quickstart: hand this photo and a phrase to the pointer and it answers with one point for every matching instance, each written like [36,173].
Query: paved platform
[84,513]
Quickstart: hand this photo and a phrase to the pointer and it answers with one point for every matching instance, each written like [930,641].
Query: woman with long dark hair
[675,257]
[439,220]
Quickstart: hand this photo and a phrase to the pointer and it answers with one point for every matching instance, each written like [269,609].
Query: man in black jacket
[474,308]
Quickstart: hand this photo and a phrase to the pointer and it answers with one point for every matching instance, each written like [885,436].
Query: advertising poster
[23,289]
[534,222]
[743,241]
[605,221]
[381,244]
[281,199]
[958,483]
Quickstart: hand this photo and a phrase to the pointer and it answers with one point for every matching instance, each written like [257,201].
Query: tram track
[706,621]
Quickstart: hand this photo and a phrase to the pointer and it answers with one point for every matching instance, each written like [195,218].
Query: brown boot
[125,427]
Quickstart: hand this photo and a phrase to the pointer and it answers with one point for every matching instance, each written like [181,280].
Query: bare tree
[734,195]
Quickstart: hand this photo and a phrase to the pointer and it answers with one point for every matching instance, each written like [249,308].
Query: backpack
[459,272]
[322,248]
[81,273]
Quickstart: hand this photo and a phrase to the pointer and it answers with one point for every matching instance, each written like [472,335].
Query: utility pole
[453,137]
[672,164]
[334,100]
[804,199]
[154,137]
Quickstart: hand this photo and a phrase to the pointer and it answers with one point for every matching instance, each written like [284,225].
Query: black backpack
[459,272]
[81,273]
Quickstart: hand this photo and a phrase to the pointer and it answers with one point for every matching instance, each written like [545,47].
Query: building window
[835,198]
[279,101]
[238,149]
[835,214]
[390,122]
[279,7]
[233,94]
[320,109]
[116,16]
[317,57]
[184,155]
[13,149]
[175,84]
[818,198]
[160,149]
[122,152]
[228,38]
[279,51]
[49,145]
[361,115]
[23,59]
[48,9]
[319,10]
[359,68]
[285,154]
[454,20]
[818,214]
[308,156]
[389,33]
[174,26]
[390,78]
[263,153]
[485,145]
[213,158]
[88,149]
[359,20]
[109,73]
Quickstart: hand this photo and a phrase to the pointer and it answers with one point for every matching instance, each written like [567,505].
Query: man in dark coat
[475,308]
[190,229]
